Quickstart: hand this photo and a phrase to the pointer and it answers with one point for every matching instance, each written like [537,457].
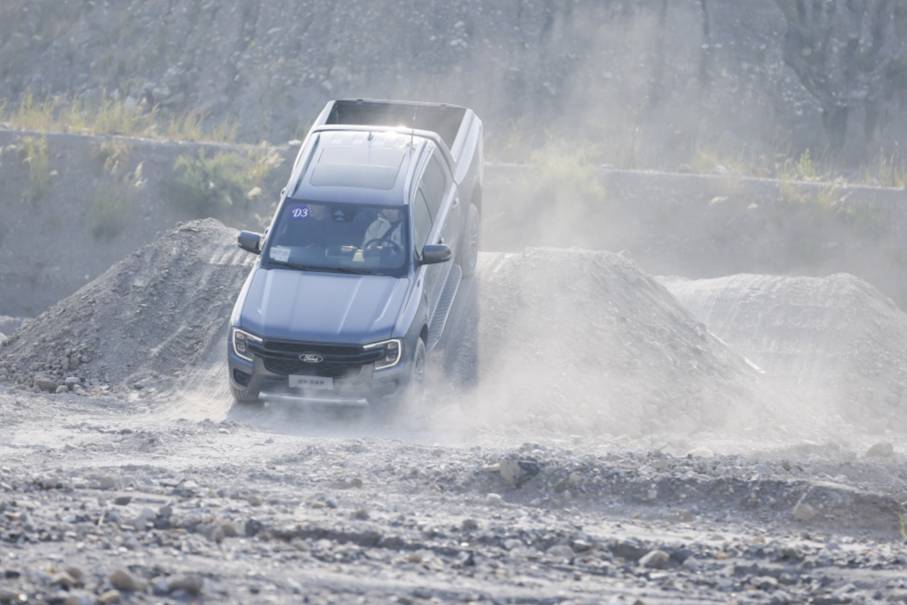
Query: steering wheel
[381,244]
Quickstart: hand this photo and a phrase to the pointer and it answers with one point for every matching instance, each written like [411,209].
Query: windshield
[347,238]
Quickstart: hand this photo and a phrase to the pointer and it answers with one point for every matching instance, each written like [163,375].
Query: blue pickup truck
[360,267]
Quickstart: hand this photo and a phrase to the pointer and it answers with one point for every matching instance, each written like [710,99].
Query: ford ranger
[360,266]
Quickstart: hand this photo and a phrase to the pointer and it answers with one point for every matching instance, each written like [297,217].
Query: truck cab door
[443,201]
[426,231]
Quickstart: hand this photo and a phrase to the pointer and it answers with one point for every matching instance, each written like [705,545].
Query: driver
[387,226]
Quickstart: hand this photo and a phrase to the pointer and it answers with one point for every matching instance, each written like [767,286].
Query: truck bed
[442,119]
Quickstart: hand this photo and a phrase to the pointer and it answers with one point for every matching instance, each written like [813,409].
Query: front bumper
[358,386]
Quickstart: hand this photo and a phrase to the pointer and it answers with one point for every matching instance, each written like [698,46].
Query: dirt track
[262,506]
[496,496]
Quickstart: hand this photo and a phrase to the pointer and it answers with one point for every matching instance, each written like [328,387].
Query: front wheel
[469,252]
[415,389]
[245,396]
[411,395]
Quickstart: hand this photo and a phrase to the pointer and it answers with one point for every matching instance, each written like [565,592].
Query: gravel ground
[106,500]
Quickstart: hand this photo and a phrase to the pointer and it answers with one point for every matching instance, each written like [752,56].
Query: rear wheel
[469,252]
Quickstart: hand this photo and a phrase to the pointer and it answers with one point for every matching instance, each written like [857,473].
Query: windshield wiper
[303,267]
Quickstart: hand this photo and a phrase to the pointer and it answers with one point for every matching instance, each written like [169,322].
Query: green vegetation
[566,171]
[110,212]
[212,185]
[112,153]
[34,155]
[889,170]
[110,115]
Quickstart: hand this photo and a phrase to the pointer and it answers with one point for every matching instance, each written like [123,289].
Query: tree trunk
[706,50]
[656,90]
[834,120]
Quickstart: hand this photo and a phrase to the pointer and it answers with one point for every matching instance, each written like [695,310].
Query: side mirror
[249,241]
[435,253]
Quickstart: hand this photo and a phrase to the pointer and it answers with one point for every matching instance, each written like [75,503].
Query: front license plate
[311,382]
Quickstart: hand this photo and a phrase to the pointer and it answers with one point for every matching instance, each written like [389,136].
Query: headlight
[392,352]
[241,342]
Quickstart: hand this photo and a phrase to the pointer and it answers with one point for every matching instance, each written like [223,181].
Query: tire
[415,389]
[386,410]
[469,249]
[245,396]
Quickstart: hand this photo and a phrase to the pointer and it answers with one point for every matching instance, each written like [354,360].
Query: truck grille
[284,357]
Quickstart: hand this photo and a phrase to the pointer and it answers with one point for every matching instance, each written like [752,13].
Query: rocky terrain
[105,501]
[663,472]
[731,433]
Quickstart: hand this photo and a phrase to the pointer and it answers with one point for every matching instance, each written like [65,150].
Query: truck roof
[359,166]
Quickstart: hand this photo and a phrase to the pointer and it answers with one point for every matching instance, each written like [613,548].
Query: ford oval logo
[311,358]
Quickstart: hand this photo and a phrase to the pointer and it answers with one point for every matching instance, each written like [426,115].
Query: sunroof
[364,166]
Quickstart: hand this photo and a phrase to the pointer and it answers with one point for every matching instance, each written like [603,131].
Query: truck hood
[322,307]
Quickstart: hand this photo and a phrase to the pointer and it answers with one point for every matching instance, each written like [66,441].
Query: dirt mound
[836,344]
[586,342]
[142,322]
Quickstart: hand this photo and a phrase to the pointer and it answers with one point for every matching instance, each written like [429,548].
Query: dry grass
[889,170]
[110,115]
[35,157]
[211,185]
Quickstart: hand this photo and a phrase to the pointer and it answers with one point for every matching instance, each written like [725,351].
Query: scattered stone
[230,530]
[81,598]
[191,584]
[361,515]
[45,383]
[517,471]
[126,582]
[804,512]
[630,550]
[122,500]
[882,449]
[469,525]
[61,389]
[143,519]
[560,551]
[76,574]
[64,580]
[109,598]
[252,527]
[656,559]
[680,555]
[160,586]
[186,489]
[104,482]
[212,531]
